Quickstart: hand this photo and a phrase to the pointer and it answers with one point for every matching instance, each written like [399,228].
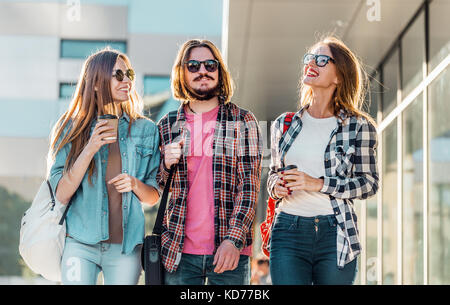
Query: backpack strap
[157,228]
[51,193]
[287,121]
[175,132]
[63,217]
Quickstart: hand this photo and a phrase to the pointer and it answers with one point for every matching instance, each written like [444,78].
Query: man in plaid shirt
[216,148]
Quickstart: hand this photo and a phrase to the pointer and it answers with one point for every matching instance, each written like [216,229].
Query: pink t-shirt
[199,225]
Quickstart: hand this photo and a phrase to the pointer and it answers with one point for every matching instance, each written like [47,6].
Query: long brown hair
[92,98]
[353,80]
[179,89]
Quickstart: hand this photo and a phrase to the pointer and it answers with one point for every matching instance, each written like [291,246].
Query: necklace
[189,106]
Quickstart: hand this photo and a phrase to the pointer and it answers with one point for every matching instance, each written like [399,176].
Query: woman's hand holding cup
[300,181]
[281,190]
[102,134]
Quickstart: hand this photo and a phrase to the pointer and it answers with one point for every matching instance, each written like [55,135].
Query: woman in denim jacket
[105,175]
[333,145]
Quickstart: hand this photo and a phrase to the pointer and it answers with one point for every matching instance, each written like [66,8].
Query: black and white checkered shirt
[350,171]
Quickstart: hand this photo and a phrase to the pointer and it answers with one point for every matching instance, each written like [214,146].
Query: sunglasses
[321,60]
[211,65]
[119,75]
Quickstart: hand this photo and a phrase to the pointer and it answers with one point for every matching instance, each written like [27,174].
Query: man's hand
[173,153]
[227,257]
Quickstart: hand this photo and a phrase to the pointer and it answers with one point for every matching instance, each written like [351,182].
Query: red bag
[266,225]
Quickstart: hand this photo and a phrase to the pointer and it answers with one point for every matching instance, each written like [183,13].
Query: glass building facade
[406,226]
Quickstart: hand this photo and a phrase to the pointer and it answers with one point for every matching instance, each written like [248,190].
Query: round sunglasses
[320,60]
[193,66]
[119,74]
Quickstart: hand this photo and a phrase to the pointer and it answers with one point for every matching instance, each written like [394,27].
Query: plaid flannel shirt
[237,155]
[350,171]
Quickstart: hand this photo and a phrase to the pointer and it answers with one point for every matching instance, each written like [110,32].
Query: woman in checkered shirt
[332,142]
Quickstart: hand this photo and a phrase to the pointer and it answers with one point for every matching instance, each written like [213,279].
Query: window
[372,203]
[413,55]
[439,180]
[413,193]
[374,96]
[156,94]
[390,83]
[372,241]
[439,33]
[66,90]
[389,195]
[83,48]
[154,84]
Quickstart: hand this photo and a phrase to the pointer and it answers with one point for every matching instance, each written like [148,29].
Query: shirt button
[336,213]
[124,154]
[121,139]
[125,171]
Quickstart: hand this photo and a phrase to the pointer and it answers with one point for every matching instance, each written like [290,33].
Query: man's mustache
[203,76]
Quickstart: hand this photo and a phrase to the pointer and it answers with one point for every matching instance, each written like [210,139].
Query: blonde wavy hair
[179,85]
[353,80]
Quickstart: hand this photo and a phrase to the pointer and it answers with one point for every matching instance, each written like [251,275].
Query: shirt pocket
[143,156]
[344,160]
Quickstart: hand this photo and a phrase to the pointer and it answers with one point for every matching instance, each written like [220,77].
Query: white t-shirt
[307,152]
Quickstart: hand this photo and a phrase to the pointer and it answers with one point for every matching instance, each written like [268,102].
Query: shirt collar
[181,115]
[341,117]
[125,116]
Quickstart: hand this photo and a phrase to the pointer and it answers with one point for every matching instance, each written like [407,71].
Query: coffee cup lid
[107,116]
[290,167]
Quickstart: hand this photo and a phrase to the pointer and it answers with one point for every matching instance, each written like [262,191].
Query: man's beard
[204,94]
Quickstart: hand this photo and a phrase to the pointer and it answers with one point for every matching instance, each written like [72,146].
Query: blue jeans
[81,264]
[303,252]
[196,269]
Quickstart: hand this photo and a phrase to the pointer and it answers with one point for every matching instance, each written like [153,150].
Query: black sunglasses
[321,60]
[211,65]
[119,75]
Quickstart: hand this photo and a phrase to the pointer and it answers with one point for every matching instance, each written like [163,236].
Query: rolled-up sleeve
[152,169]
[57,168]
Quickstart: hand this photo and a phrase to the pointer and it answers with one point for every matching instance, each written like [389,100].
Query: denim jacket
[87,218]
